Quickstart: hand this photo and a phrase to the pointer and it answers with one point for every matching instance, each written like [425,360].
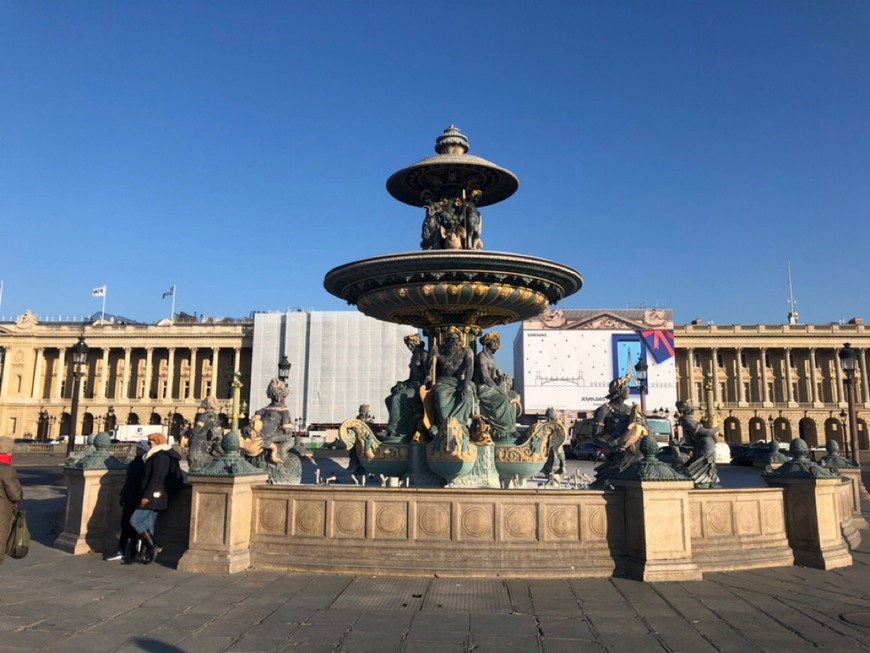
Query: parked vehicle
[589,451]
[136,432]
[661,429]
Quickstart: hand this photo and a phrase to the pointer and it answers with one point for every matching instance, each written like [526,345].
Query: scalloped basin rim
[340,278]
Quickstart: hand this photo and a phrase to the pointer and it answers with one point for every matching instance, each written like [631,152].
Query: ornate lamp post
[284,369]
[110,418]
[849,363]
[770,426]
[238,408]
[641,369]
[844,432]
[79,357]
[708,394]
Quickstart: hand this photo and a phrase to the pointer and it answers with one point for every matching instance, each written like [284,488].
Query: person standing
[10,492]
[131,493]
[154,497]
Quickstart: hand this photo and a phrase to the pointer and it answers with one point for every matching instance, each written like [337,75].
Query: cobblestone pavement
[52,601]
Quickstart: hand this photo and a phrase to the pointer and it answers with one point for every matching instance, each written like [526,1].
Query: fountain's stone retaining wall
[649,531]
[455,532]
[738,529]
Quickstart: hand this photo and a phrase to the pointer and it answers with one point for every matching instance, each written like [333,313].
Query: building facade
[783,379]
[134,374]
[340,361]
[566,359]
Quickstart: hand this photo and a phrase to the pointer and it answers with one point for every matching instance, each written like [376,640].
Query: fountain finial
[452,141]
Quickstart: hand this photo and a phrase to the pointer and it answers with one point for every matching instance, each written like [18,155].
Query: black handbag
[18,544]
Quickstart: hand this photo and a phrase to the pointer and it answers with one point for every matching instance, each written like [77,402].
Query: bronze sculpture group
[267,442]
[618,428]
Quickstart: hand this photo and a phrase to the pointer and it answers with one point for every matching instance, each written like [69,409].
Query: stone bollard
[834,462]
[814,521]
[658,533]
[93,512]
[220,513]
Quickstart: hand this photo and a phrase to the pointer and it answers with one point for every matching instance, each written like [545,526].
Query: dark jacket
[131,493]
[10,493]
[157,463]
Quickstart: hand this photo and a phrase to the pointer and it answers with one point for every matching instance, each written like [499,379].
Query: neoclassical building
[783,379]
[779,378]
[134,374]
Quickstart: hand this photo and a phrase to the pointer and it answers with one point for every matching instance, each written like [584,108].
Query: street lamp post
[844,431]
[708,394]
[770,426]
[79,358]
[849,363]
[641,369]
[284,369]
[237,409]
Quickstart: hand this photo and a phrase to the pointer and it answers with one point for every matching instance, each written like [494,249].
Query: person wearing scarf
[154,496]
[10,492]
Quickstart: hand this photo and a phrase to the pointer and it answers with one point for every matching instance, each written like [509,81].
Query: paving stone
[496,643]
[556,645]
[450,636]
[371,643]
[423,621]
[206,644]
[565,628]
[633,643]
[498,624]
[432,647]
[317,635]
[385,621]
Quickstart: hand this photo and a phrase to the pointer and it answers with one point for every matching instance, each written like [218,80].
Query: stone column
[788,385]
[765,391]
[93,514]
[170,373]
[149,360]
[125,378]
[656,553]
[741,393]
[191,381]
[862,362]
[104,376]
[814,393]
[690,375]
[61,367]
[841,391]
[215,357]
[221,510]
[37,372]
[816,517]
[714,368]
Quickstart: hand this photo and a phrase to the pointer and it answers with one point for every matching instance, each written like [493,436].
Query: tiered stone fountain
[455,416]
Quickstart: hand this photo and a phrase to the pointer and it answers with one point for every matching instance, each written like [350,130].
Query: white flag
[99,292]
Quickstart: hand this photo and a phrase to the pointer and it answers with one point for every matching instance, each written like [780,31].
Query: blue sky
[675,153]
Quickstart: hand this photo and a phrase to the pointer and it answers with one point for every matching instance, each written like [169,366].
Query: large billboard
[566,359]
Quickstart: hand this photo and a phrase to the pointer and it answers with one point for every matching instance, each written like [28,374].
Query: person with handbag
[10,492]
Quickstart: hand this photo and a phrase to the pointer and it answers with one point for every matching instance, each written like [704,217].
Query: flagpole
[172,314]
[103,313]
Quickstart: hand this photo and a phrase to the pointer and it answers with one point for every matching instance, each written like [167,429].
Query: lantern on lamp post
[640,370]
[849,363]
[79,353]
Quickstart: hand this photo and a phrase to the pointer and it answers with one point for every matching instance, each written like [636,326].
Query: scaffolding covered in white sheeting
[341,359]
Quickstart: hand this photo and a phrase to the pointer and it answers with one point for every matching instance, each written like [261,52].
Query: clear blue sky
[675,153]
